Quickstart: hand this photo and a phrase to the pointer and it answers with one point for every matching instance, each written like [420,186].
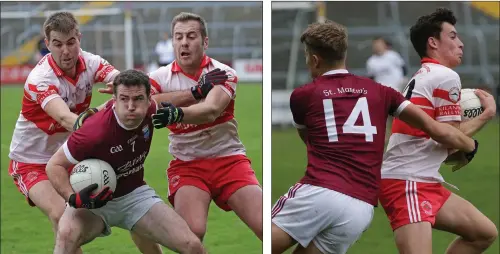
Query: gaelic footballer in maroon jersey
[121,135]
[345,117]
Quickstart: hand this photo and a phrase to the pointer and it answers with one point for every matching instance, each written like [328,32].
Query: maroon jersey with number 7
[345,117]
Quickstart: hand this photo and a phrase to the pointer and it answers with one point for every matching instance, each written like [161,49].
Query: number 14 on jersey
[349,126]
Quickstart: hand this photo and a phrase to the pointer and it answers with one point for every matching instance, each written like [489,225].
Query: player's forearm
[200,113]
[67,121]
[451,137]
[182,98]
[59,178]
[471,127]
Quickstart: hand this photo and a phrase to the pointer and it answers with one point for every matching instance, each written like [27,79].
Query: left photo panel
[132,127]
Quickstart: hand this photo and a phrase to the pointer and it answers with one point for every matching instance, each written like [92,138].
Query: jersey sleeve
[446,99]
[397,103]
[81,144]
[230,86]
[105,72]
[298,105]
[40,92]
[154,79]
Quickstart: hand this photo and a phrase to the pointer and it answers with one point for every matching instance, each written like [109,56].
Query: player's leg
[239,190]
[246,202]
[280,240]
[311,249]
[33,182]
[145,245]
[409,207]
[476,232]
[163,225]
[192,204]
[415,238]
[189,194]
[76,228]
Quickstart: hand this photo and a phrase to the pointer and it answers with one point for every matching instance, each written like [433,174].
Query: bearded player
[412,193]
[342,118]
[56,91]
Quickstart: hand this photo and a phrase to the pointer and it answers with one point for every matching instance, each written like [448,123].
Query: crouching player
[124,124]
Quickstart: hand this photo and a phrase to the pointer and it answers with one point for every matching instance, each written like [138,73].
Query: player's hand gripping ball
[94,182]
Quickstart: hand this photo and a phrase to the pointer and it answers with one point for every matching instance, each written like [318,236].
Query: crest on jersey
[454,94]
[145,131]
[427,207]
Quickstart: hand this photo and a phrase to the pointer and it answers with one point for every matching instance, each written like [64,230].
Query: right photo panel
[385,127]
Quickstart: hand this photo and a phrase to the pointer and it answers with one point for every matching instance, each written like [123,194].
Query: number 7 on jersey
[361,107]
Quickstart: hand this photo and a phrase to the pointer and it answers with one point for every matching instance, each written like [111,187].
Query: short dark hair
[427,26]
[187,16]
[328,39]
[63,22]
[131,78]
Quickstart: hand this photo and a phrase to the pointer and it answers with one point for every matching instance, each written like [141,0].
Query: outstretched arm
[208,110]
[57,173]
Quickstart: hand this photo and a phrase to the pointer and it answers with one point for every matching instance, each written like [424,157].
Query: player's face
[449,46]
[131,105]
[65,49]
[189,46]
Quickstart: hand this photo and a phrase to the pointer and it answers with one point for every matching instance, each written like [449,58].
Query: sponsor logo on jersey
[116,149]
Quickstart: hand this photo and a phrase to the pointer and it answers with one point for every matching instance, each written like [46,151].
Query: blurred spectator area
[235,28]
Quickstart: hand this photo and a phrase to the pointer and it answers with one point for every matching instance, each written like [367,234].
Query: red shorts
[407,202]
[26,175]
[220,177]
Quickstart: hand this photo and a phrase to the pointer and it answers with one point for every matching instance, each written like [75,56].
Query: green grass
[478,183]
[26,230]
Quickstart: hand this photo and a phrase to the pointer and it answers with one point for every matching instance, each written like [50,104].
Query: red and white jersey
[37,136]
[411,154]
[193,141]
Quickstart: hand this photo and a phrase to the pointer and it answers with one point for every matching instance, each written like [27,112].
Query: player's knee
[489,235]
[68,234]
[199,230]
[54,217]
[192,246]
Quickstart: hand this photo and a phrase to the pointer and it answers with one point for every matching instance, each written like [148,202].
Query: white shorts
[125,211]
[331,220]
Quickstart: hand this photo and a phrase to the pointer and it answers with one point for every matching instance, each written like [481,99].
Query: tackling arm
[442,133]
[58,174]
[182,98]
[59,111]
[208,110]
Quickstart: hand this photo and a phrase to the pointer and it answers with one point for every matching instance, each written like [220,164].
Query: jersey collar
[80,66]
[205,61]
[337,71]
[429,60]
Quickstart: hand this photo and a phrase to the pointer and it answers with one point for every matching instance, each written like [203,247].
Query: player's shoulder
[439,73]
[43,73]
[162,72]
[305,89]
[218,65]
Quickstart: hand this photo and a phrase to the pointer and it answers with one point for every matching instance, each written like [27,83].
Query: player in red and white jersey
[210,161]
[411,187]
[56,91]
[121,135]
[341,118]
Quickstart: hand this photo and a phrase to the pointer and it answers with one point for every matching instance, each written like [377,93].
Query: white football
[92,171]
[470,104]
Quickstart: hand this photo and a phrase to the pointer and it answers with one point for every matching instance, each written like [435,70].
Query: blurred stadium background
[126,33]
[478,27]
